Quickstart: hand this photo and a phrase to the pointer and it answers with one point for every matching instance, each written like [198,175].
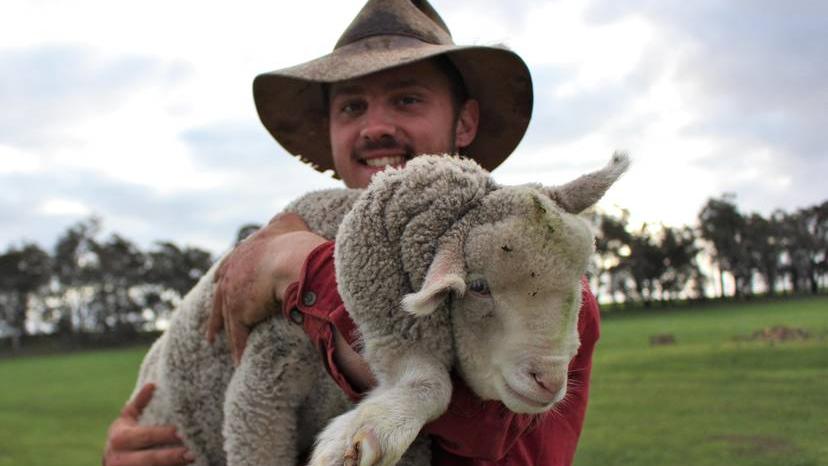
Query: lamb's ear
[445,274]
[586,190]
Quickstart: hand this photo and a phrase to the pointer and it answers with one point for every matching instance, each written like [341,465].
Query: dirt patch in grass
[662,339]
[756,445]
[777,334]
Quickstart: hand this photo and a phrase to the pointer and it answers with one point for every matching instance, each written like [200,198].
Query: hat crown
[413,18]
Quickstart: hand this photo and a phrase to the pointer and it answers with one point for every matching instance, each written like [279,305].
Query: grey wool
[441,269]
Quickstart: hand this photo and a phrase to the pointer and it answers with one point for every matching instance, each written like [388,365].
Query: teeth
[385,161]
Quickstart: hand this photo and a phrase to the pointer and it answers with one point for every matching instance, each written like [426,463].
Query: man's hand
[129,444]
[253,278]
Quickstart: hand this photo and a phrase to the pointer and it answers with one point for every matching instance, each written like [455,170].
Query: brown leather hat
[386,34]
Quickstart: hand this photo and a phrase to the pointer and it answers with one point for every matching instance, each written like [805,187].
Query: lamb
[440,269]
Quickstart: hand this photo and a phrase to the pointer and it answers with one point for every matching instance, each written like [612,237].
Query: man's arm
[253,278]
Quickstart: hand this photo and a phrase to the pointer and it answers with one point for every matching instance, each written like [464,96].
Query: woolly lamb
[440,268]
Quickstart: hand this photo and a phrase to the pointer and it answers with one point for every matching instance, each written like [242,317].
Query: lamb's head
[513,268]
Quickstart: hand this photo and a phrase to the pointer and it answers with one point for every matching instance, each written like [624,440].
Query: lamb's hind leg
[383,426]
[264,395]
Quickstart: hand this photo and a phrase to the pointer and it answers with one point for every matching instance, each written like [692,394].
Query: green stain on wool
[569,312]
[569,305]
[541,216]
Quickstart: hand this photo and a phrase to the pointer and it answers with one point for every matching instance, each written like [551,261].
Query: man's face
[386,118]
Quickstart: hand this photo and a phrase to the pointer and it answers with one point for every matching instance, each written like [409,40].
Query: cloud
[721,97]
[45,89]
[258,180]
[157,134]
[753,70]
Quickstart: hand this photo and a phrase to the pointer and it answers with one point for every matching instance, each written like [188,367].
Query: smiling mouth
[380,162]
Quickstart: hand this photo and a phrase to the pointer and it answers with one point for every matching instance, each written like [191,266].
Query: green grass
[710,399]
[54,410]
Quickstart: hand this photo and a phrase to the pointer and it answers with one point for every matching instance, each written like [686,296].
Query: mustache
[385,143]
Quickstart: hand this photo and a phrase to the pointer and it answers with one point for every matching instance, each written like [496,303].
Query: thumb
[135,407]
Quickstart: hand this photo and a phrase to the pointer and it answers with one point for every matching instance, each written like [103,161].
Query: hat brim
[290,102]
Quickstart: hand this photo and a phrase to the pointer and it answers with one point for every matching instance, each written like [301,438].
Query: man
[395,87]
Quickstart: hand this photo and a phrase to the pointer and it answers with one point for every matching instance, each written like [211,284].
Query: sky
[141,113]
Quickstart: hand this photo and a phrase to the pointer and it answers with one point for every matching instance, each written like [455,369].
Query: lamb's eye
[480,286]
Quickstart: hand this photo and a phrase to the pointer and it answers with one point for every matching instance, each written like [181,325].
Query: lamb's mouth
[531,402]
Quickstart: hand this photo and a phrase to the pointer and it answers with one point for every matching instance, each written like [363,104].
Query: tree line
[727,254]
[89,287]
[93,288]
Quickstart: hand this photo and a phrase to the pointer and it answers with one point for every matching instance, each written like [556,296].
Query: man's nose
[377,124]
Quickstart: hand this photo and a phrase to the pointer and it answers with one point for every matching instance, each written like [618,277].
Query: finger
[139,437]
[135,407]
[238,340]
[158,457]
[216,321]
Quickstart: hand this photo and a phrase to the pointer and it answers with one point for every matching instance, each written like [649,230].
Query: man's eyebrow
[346,89]
[355,89]
[404,83]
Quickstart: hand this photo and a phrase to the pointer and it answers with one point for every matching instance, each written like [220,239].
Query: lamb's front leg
[382,426]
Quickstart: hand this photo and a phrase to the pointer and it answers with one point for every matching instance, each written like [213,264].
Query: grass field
[712,398]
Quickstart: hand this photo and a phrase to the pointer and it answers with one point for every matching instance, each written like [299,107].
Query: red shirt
[472,432]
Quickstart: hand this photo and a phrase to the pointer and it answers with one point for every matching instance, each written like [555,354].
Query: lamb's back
[324,210]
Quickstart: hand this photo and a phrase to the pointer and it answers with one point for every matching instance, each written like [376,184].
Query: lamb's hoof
[364,449]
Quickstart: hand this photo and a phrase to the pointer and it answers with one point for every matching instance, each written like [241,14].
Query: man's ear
[445,274]
[467,120]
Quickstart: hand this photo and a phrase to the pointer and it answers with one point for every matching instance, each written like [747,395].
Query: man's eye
[408,100]
[351,108]
[480,286]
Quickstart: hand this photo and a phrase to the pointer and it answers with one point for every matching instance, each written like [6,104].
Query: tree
[818,226]
[724,227]
[120,268]
[680,251]
[170,273]
[645,264]
[176,268]
[245,231]
[611,246]
[23,271]
[763,244]
[806,246]
[74,267]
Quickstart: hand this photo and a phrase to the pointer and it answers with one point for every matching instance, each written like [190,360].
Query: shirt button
[309,298]
[296,316]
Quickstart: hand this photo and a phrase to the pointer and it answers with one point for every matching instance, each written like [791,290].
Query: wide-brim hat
[386,34]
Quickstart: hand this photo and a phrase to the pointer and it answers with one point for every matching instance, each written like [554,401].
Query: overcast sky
[142,112]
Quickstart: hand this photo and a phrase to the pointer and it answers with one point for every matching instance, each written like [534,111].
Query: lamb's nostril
[550,382]
[540,381]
